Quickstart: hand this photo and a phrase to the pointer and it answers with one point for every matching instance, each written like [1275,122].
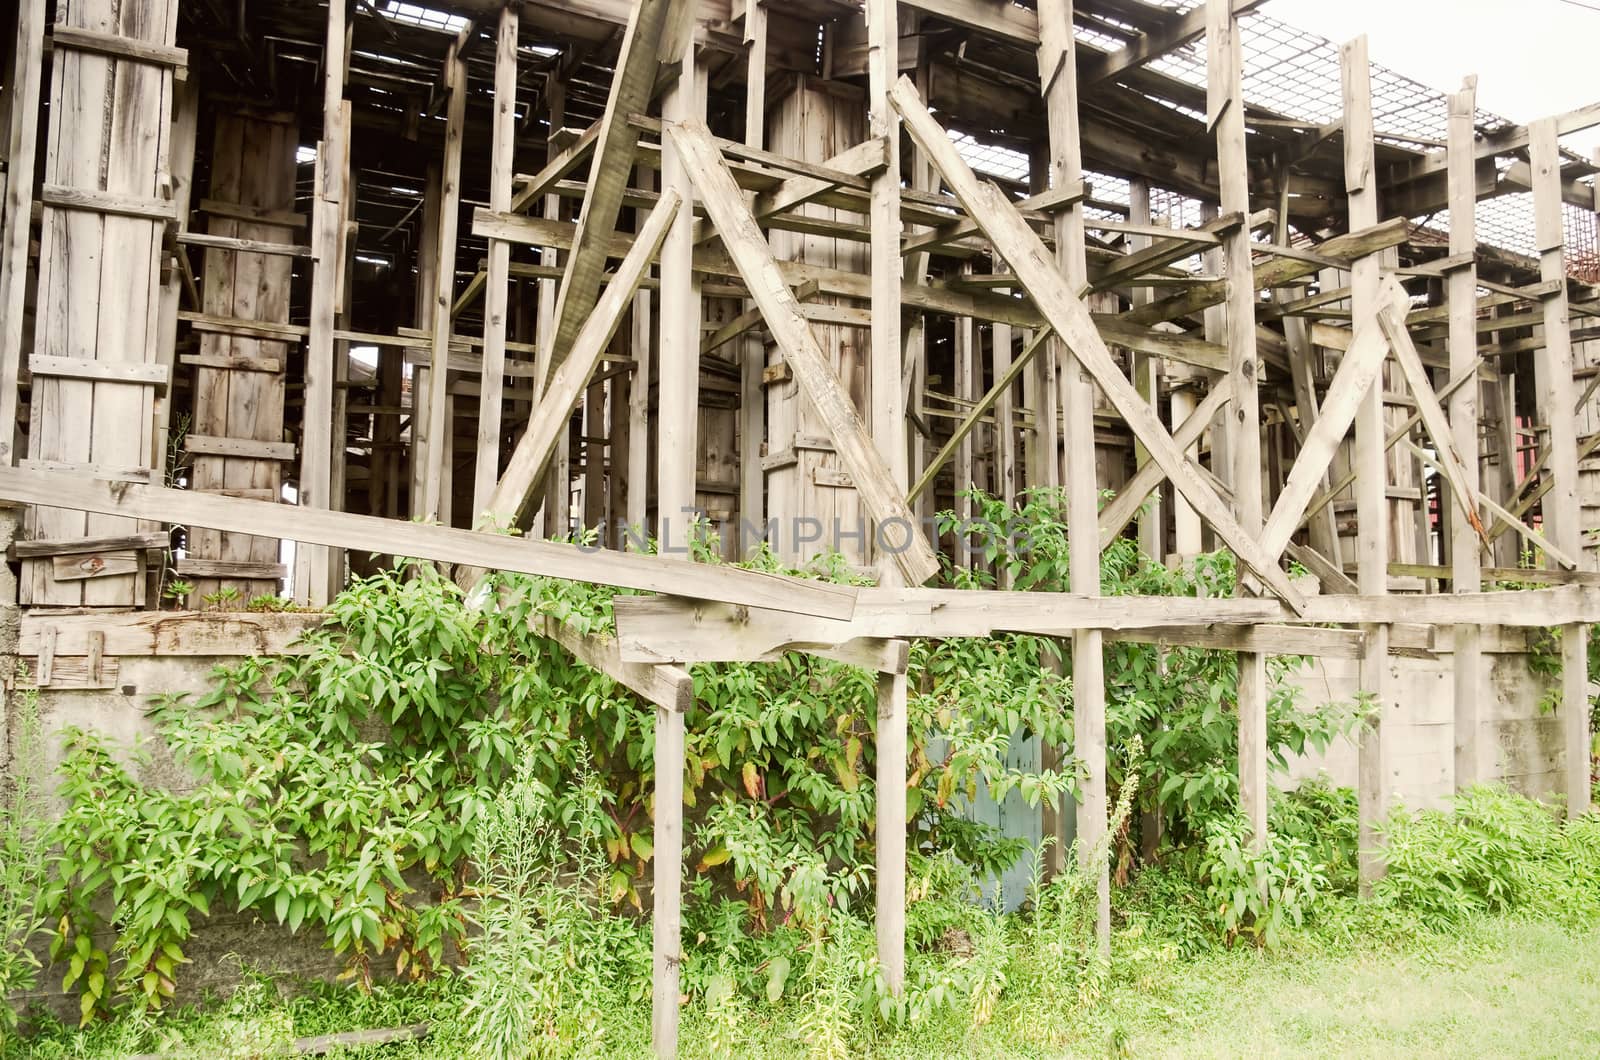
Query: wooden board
[105,170]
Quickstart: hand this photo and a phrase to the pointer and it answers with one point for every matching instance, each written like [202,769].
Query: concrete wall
[1522,743]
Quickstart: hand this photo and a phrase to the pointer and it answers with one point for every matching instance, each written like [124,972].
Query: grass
[1359,984]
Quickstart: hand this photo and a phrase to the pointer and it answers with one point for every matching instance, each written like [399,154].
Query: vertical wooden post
[888,425]
[666,921]
[496,291]
[1058,74]
[1146,376]
[22,140]
[1372,787]
[1225,99]
[314,576]
[421,385]
[678,400]
[639,389]
[963,389]
[1186,537]
[753,357]
[679,387]
[553,519]
[1555,399]
[890,837]
[435,500]
[1044,465]
[1462,294]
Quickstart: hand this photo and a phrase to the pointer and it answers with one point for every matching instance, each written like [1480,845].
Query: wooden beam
[1554,393]
[753,353]
[880,493]
[514,492]
[314,575]
[1051,293]
[491,393]
[422,541]
[1225,106]
[632,84]
[1373,782]
[1058,76]
[682,309]
[1461,301]
[557,168]
[886,417]
[435,500]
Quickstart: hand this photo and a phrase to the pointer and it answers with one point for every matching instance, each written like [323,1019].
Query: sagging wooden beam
[422,541]
[881,496]
[1051,293]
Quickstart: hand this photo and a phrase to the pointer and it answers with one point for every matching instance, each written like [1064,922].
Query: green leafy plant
[1256,892]
[221,598]
[178,591]
[24,848]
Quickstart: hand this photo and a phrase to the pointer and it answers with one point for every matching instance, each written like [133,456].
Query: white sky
[1533,58]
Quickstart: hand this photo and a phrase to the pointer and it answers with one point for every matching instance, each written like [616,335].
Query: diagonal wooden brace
[1051,293]
[725,205]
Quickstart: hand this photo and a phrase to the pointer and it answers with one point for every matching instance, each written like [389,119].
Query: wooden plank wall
[239,379]
[813,120]
[104,211]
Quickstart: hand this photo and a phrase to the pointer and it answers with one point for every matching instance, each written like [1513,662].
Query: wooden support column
[678,391]
[753,357]
[890,834]
[313,575]
[423,299]
[887,421]
[1058,74]
[1462,296]
[1146,377]
[1372,787]
[1040,389]
[486,470]
[676,458]
[639,449]
[666,920]
[1556,398]
[435,498]
[553,518]
[1225,100]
